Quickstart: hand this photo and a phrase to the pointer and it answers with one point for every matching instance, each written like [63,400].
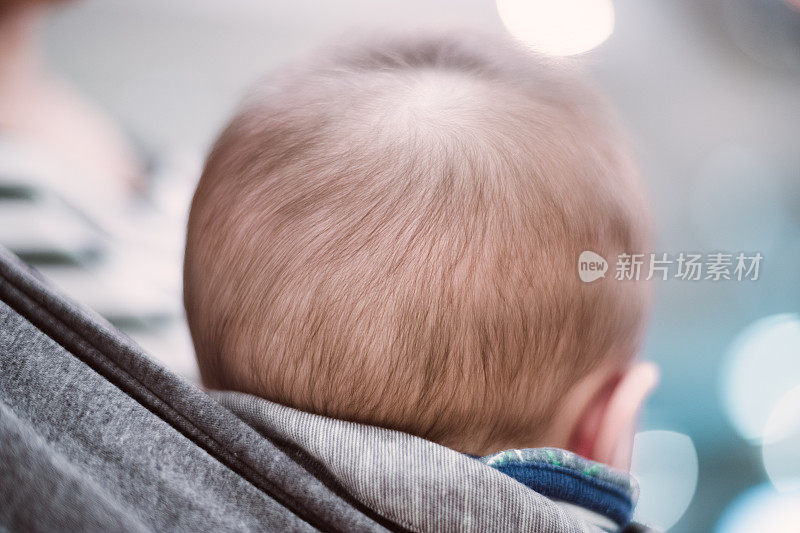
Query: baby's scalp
[388,234]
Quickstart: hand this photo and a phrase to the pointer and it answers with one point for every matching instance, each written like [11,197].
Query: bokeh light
[762,508]
[782,443]
[561,28]
[666,467]
[762,365]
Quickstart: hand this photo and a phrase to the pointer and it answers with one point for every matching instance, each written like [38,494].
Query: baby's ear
[605,431]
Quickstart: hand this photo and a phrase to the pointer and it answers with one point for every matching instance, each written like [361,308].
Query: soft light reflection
[666,467]
[762,364]
[761,508]
[563,27]
[782,443]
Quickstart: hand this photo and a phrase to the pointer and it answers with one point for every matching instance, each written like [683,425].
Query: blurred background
[107,108]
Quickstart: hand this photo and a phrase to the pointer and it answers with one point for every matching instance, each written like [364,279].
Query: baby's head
[389,235]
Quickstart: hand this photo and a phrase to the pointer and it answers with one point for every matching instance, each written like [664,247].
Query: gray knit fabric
[78,454]
[96,436]
[423,486]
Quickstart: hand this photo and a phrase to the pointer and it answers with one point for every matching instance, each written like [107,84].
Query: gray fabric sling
[96,436]
[412,481]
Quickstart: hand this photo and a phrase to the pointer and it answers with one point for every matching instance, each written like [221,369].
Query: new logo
[591,266]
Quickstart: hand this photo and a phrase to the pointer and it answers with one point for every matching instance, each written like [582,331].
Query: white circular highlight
[762,365]
[666,467]
[558,27]
[761,508]
[782,443]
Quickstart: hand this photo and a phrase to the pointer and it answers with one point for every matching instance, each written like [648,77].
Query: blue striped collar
[566,477]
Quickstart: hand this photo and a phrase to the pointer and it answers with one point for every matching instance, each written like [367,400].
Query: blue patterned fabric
[565,476]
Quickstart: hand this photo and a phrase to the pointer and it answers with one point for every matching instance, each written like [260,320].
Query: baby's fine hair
[388,233]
